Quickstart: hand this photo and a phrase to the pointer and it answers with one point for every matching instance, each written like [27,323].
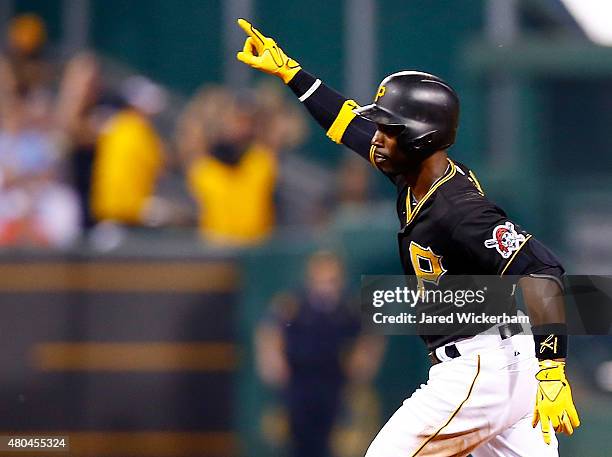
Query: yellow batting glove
[263,53]
[554,404]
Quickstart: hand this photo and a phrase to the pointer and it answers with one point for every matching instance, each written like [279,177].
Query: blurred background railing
[156,197]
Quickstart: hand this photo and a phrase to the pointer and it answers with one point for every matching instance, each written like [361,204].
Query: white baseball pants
[479,403]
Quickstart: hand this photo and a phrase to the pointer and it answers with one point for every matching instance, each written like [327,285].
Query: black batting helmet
[423,104]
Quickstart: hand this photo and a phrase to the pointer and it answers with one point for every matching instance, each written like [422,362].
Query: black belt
[451,351]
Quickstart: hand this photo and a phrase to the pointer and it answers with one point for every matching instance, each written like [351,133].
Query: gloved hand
[263,53]
[554,401]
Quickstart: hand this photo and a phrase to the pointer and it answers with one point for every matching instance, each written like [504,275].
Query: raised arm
[331,110]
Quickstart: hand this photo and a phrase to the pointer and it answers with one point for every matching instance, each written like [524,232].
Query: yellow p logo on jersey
[380,93]
[426,264]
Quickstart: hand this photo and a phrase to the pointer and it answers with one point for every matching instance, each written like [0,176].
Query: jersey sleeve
[334,113]
[495,245]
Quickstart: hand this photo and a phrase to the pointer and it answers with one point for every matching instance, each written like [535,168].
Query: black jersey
[454,229]
[452,234]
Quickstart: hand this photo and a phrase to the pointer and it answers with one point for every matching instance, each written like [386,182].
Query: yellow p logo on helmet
[380,93]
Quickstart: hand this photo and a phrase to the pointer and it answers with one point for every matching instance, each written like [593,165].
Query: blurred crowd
[79,155]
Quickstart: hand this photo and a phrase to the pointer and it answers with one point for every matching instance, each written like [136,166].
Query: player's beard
[409,163]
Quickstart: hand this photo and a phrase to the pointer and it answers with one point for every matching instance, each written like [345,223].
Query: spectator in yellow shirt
[230,142]
[129,157]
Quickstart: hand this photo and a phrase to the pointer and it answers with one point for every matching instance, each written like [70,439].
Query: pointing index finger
[245,25]
[250,30]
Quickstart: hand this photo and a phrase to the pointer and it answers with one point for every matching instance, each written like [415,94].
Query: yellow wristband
[343,119]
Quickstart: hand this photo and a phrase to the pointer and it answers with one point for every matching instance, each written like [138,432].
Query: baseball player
[480,394]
